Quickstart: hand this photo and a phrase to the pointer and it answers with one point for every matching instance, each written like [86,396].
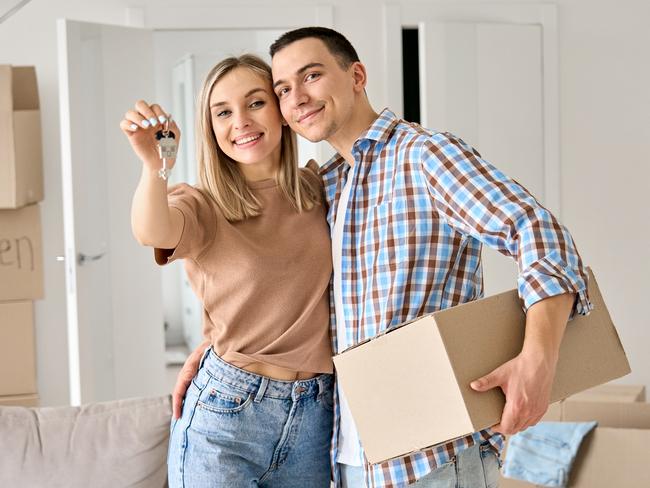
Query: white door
[487,74]
[114,293]
[115,324]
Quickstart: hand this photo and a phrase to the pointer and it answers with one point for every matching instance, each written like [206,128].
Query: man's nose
[299,96]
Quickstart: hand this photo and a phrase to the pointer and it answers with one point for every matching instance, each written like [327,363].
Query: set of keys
[167,148]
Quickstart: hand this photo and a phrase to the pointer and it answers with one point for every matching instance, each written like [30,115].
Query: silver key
[167,149]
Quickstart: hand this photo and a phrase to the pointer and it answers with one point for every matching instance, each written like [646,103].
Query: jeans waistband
[263,386]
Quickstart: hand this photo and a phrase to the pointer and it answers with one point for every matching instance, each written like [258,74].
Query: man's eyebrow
[301,71]
[248,94]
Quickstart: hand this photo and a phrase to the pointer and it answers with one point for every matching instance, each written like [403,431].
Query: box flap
[611,392]
[401,383]
[631,415]
[25,88]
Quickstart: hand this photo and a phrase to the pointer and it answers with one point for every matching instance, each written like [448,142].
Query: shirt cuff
[539,283]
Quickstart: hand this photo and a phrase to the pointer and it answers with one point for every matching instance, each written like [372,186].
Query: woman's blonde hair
[219,175]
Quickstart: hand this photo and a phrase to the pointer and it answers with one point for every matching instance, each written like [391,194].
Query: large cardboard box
[616,453]
[21,158]
[21,260]
[17,349]
[408,388]
[19,401]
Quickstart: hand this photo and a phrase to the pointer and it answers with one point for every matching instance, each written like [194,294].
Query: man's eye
[312,76]
[282,91]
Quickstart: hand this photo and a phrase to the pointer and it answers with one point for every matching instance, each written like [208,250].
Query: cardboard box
[611,392]
[408,389]
[21,155]
[616,453]
[17,349]
[19,401]
[21,260]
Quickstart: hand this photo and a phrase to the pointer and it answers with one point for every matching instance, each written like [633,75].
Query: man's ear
[359,76]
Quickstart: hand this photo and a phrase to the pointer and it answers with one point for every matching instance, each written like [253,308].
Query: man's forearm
[545,324]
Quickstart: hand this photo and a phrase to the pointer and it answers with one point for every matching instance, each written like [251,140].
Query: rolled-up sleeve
[477,199]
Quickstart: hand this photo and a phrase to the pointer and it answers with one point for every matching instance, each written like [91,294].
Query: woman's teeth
[246,140]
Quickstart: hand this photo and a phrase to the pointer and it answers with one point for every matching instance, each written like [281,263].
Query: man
[409,211]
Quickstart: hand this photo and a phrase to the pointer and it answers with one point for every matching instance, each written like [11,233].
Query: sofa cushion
[111,444]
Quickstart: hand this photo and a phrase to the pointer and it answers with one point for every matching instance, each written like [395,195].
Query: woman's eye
[223,113]
[257,104]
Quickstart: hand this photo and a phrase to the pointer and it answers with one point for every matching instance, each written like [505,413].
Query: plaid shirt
[421,206]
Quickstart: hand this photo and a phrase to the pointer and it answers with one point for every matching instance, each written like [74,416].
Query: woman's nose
[242,121]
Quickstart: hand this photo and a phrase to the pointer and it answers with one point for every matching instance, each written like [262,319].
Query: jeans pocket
[224,398]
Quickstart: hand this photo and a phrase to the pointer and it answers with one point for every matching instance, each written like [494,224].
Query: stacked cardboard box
[616,453]
[21,267]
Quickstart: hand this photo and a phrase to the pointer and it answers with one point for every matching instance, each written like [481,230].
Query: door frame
[545,15]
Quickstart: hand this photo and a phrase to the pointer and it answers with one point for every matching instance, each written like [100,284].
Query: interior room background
[602,130]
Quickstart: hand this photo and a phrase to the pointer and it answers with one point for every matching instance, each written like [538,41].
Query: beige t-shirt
[263,282]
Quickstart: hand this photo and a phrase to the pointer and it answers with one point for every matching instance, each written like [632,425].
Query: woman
[257,253]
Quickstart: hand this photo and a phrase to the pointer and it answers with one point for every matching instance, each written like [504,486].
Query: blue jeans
[543,454]
[240,429]
[475,467]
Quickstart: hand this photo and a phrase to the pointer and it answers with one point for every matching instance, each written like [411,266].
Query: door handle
[86,258]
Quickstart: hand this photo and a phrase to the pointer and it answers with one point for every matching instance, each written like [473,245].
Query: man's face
[316,94]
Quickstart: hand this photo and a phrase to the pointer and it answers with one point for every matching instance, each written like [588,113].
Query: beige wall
[605,143]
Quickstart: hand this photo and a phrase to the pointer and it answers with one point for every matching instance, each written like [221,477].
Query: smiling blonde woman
[256,246]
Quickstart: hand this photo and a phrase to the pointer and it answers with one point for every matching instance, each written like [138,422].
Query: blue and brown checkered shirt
[421,206]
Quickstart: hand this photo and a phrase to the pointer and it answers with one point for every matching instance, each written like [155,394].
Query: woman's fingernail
[133,127]
[145,123]
[153,121]
[162,119]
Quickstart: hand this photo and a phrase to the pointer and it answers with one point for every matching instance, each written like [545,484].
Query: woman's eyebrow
[248,94]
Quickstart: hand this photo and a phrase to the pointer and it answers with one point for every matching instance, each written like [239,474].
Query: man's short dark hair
[336,43]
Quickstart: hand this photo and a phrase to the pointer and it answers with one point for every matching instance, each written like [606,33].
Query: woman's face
[246,118]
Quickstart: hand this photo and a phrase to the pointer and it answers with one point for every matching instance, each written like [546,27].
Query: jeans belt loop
[262,389]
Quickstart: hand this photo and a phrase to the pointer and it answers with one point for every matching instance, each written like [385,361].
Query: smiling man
[409,211]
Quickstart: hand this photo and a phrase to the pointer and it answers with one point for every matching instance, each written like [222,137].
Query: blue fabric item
[543,454]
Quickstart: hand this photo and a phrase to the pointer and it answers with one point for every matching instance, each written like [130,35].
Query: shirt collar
[380,131]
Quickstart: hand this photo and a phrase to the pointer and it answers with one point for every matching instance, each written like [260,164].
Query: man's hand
[526,382]
[527,379]
[187,372]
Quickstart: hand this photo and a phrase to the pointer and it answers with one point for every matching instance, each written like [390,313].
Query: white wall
[605,139]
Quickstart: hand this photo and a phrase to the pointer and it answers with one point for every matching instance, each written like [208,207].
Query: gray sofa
[114,444]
